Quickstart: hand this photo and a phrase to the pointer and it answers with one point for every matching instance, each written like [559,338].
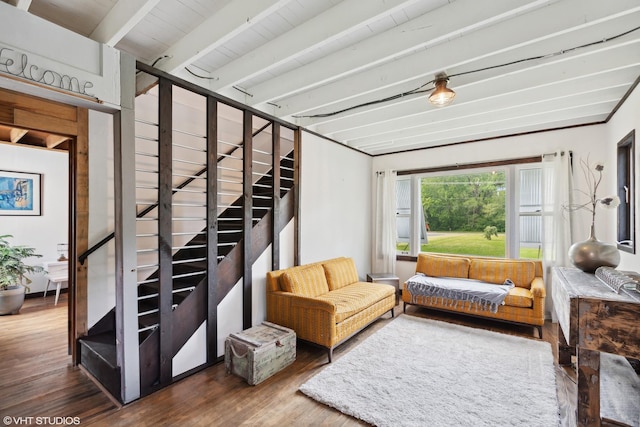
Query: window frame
[510,166]
[625,160]
[516,205]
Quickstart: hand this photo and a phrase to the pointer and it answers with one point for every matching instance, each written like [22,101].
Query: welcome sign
[17,64]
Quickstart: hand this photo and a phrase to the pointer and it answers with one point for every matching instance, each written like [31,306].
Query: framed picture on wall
[20,193]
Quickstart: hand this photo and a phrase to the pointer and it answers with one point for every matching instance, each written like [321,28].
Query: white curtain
[384,254]
[556,222]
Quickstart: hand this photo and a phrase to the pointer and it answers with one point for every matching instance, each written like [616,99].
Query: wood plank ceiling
[516,65]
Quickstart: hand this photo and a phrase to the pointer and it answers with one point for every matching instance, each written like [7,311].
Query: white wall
[335,198]
[259,287]
[192,354]
[592,141]
[626,119]
[229,315]
[46,231]
[101,264]
[287,246]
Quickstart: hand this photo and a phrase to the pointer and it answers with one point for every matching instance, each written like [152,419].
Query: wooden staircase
[189,285]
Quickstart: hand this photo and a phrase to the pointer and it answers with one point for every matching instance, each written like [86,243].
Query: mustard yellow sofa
[524,303]
[325,302]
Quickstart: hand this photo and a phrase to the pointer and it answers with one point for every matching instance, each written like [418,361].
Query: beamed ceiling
[13,135]
[517,66]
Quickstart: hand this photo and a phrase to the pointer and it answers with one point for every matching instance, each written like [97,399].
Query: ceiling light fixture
[441,95]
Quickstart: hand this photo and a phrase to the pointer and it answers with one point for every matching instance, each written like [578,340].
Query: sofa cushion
[519,297]
[340,272]
[305,280]
[354,298]
[520,272]
[443,266]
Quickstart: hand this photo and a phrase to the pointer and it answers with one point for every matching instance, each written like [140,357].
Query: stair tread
[104,345]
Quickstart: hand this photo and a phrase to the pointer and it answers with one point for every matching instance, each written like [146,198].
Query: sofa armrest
[537,288]
[309,303]
[312,319]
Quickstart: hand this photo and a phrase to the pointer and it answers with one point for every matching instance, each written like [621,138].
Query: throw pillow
[520,272]
[443,266]
[340,273]
[305,280]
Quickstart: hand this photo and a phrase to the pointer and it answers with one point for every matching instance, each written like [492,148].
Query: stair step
[200,239]
[142,336]
[229,237]
[230,220]
[148,320]
[147,306]
[151,292]
[186,282]
[189,267]
[190,253]
[98,356]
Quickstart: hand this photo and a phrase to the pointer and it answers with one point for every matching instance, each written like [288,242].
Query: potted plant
[12,274]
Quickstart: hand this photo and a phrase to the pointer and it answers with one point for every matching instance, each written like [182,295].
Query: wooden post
[565,351]
[79,231]
[165,238]
[588,388]
[247,261]
[275,198]
[297,158]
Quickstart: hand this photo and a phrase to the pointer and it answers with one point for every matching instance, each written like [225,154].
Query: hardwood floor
[36,375]
[37,380]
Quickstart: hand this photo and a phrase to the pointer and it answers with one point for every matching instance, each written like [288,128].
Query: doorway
[41,124]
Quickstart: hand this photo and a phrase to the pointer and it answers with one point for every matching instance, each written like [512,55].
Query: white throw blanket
[488,296]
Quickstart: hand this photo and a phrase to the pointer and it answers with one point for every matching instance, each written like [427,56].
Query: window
[626,214]
[403,215]
[486,211]
[530,213]
[404,218]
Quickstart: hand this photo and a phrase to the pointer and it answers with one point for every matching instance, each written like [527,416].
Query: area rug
[422,372]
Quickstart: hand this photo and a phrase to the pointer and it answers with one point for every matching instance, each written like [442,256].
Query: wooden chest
[257,353]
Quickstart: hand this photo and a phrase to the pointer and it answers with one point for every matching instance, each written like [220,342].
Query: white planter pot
[12,299]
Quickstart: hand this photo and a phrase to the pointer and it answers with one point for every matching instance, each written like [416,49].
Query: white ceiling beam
[235,17]
[499,113]
[533,96]
[563,63]
[493,83]
[523,30]
[497,133]
[346,17]
[123,16]
[418,33]
[464,130]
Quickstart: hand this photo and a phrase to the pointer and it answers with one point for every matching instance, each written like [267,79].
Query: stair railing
[83,257]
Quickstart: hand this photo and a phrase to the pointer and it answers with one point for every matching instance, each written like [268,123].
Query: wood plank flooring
[37,379]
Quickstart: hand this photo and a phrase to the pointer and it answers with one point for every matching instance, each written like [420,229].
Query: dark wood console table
[593,319]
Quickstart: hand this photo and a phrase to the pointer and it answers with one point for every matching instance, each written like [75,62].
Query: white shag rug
[422,372]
